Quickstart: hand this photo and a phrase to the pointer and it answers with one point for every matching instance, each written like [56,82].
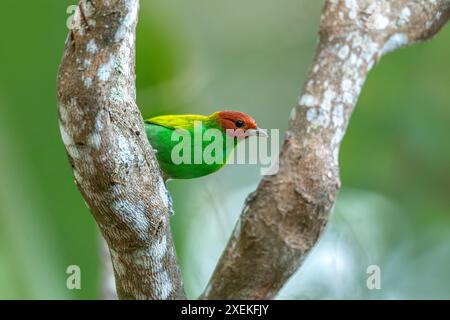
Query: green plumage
[160,132]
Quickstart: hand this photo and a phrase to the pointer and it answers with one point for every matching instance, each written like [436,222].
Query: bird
[233,125]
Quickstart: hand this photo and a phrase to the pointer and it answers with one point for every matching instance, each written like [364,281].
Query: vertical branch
[113,164]
[108,283]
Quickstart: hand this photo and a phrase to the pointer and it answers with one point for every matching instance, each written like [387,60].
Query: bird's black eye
[239,123]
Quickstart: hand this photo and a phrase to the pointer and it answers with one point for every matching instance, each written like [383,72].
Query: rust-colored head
[239,124]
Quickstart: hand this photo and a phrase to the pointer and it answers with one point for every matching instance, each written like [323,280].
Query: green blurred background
[200,56]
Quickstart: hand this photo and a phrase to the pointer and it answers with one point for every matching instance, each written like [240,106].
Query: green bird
[177,136]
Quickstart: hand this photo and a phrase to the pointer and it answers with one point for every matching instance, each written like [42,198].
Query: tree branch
[284,218]
[118,176]
[113,163]
[108,283]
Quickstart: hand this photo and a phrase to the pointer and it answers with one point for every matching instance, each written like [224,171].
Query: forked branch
[118,176]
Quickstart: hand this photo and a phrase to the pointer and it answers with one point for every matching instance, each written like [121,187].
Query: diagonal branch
[113,163]
[285,216]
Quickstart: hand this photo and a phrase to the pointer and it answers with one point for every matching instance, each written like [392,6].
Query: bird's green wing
[177,121]
[159,132]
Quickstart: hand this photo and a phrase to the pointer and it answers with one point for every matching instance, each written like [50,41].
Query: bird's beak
[258,132]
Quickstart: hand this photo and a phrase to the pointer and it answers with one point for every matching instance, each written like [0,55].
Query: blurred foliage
[200,56]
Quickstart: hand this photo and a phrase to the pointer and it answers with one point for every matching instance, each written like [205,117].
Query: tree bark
[284,218]
[108,283]
[113,163]
[118,176]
